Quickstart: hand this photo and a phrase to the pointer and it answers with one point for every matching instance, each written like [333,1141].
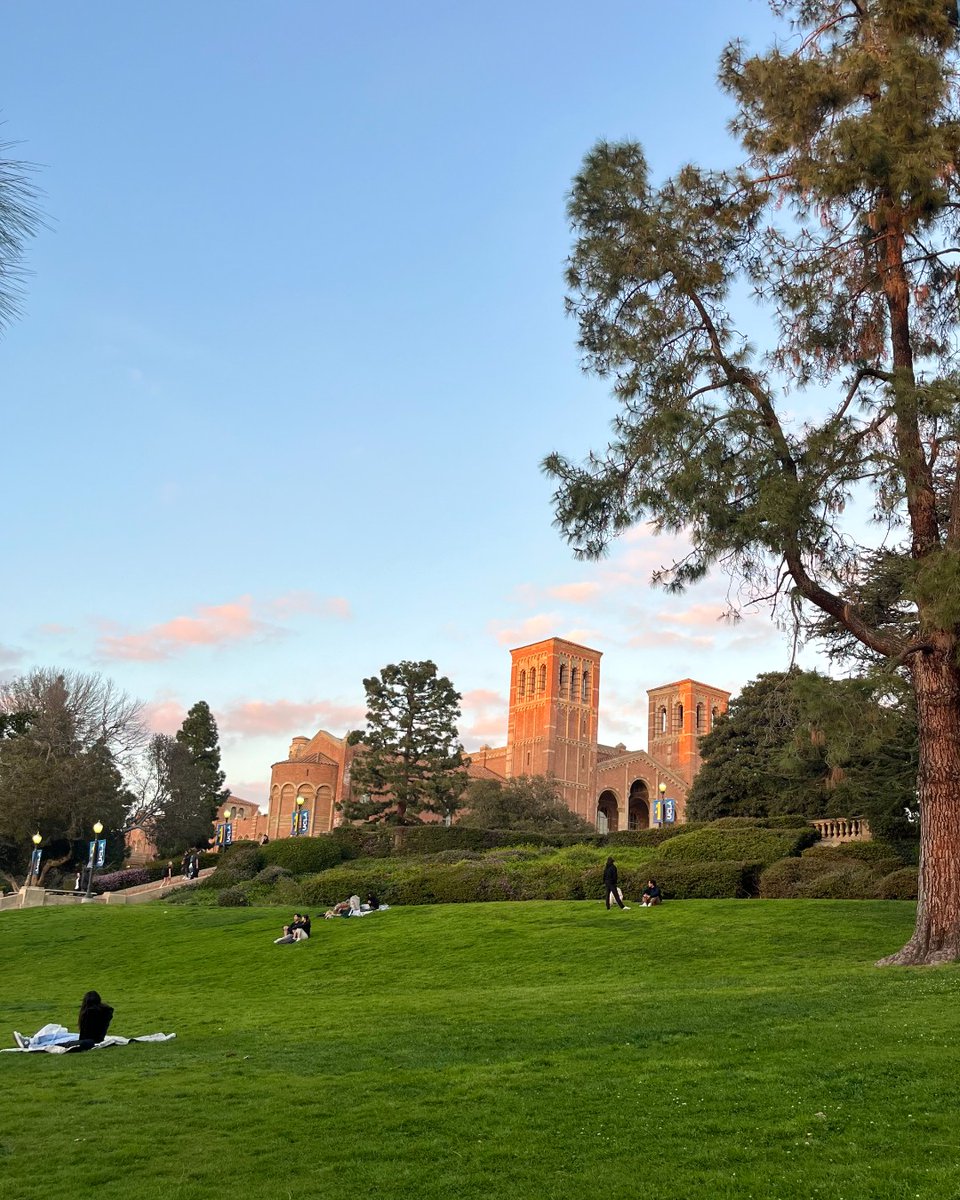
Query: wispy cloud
[533,629]
[209,625]
[698,616]
[216,625]
[298,603]
[575,593]
[10,655]
[259,718]
[164,715]
[667,637]
[484,718]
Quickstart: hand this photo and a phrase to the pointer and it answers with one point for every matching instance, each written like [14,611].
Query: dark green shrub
[243,859]
[232,897]
[784,822]
[655,836]
[271,875]
[898,885]
[306,855]
[817,877]
[726,880]
[751,844]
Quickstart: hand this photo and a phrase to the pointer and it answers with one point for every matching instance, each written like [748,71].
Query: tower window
[699,717]
[585,688]
[574,683]
[663,719]
[543,680]
[522,685]
[564,672]
[679,711]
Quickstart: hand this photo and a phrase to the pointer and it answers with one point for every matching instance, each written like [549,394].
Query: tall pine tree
[843,221]
[197,784]
[410,759]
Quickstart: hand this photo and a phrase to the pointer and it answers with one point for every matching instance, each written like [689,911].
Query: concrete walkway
[37,897]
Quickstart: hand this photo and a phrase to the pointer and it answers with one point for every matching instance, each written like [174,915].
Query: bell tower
[679,715]
[552,724]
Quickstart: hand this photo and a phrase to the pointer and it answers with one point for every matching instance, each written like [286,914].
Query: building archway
[608,813]
[638,806]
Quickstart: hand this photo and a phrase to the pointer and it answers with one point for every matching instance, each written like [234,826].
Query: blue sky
[294,346]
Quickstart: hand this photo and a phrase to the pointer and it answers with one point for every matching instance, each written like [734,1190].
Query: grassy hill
[543,1050]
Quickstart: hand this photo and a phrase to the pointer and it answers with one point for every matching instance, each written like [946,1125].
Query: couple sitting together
[297,931]
[353,907]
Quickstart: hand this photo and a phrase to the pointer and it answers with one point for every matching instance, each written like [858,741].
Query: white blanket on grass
[57,1039]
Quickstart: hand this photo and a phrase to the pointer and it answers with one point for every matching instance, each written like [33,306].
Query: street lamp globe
[98,828]
[37,838]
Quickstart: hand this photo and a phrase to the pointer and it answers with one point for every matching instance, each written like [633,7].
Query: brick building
[552,723]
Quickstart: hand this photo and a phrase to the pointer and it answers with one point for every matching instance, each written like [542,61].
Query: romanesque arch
[638,806]
[608,812]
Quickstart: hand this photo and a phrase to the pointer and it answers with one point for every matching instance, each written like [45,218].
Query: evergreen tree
[843,221]
[19,221]
[194,779]
[529,804]
[409,759]
[797,742]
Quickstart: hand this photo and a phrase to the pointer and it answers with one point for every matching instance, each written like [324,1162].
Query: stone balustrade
[836,830]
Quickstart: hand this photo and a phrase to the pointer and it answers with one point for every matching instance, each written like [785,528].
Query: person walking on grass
[610,883]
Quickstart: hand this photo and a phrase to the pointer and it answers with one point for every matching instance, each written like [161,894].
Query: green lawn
[704,1049]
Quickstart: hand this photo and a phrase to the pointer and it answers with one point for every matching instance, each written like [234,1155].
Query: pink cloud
[9,655]
[305,602]
[52,629]
[164,716]
[667,637]
[575,593]
[214,625]
[533,629]
[257,718]
[698,615]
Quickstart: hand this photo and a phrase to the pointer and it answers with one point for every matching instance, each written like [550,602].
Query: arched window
[663,719]
[585,688]
[564,672]
[240,814]
[522,685]
[543,680]
[574,682]
[679,717]
[699,717]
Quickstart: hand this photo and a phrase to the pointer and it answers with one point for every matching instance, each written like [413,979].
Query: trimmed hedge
[306,855]
[752,844]
[898,885]
[816,877]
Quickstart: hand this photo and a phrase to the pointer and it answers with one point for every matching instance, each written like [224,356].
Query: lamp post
[97,830]
[296,829]
[227,814]
[662,789]
[35,858]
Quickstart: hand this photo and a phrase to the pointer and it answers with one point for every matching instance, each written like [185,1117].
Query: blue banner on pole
[669,811]
[228,833]
[101,852]
[35,863]
[304,821]
[293,824]
[91,854]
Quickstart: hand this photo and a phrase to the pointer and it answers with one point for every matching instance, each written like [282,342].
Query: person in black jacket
[610,883]
[94,1020]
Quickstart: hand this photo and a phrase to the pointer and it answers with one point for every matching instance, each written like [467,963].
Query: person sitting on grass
[301,928]
[651,894]
[372,903]
[286,937]
[93,1021]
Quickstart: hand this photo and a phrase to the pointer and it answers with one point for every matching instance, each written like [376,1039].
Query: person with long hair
[94,1019]
[610,883]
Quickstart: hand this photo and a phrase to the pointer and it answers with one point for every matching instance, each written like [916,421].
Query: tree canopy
[67,738]
[19,221]
[797,742]
[528,804]
[803,464]
[409,759]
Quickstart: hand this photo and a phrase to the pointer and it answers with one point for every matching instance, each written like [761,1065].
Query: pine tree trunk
[936,938]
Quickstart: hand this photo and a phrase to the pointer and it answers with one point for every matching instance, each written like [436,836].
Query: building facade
[552,729]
